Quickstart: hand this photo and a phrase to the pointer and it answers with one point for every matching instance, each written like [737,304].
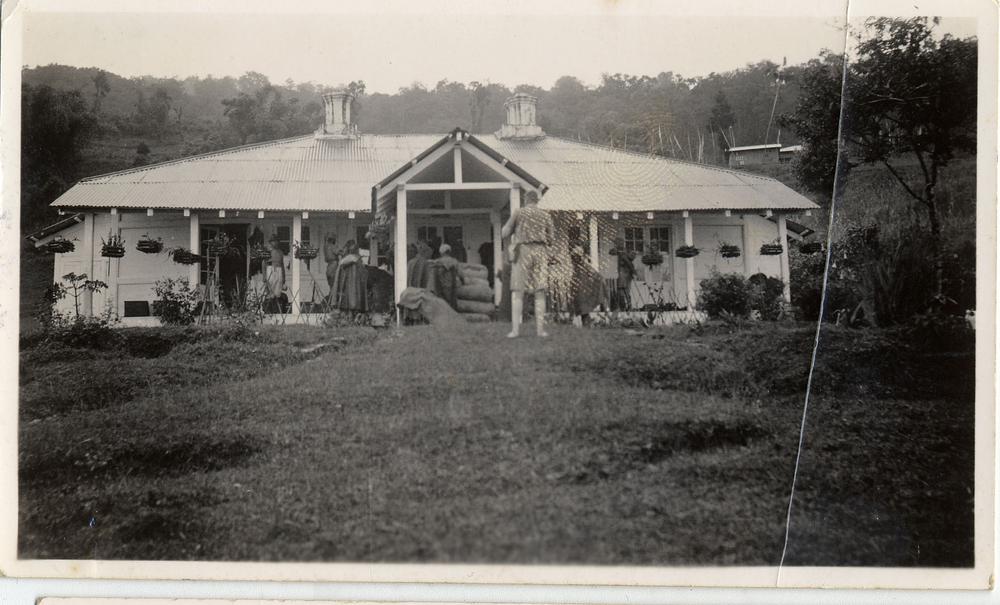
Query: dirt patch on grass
[59,380]
[773,360]
[129,456]
[634,446]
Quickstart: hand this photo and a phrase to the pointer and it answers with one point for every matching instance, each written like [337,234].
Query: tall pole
[195,245]
[497,256]
[785,273]
[399,263]
[515,204]
[296,264]
[689,262]
[88,261]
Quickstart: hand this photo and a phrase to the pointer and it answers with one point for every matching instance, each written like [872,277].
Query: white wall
[746,231]
[133,276]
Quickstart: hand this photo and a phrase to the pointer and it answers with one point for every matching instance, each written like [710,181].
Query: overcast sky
[388,51]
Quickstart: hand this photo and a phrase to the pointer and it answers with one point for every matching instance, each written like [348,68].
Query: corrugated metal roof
[306,173]
[754,147]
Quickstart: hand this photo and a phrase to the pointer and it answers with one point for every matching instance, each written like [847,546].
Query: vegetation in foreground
[670,446]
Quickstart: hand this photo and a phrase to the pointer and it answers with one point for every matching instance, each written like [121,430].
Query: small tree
[76,286]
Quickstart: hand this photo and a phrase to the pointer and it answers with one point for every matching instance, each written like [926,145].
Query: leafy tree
[55,128]
[101,89]
[479,101]
[910,96]
[816,119]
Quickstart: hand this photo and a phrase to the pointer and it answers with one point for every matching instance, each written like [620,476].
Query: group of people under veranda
[529,261]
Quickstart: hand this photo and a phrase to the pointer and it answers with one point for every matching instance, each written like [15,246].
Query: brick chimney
[520,118]
[337,122]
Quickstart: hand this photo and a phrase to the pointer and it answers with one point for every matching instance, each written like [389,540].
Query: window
[360,236]
[426,234]
[634,240]
[284,233]
[305,236]
[659,239]
[207,233]
[136,308]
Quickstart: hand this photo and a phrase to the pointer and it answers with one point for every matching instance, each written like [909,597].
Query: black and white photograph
[612,289]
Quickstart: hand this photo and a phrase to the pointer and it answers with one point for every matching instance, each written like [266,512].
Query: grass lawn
[671,446]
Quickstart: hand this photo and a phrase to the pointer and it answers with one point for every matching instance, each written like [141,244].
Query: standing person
[446,278]
[486,259]
[351,280]
[276,275]
[532,230]
[332,257]
[587,287]
[626,273]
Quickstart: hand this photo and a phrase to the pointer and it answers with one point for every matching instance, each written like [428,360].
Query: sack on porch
[479,292]
[474,306]
[429,307]
[473,271]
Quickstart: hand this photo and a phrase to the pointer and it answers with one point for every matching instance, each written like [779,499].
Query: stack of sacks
[474,296]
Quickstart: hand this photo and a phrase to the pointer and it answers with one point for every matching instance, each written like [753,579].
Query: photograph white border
[979,576]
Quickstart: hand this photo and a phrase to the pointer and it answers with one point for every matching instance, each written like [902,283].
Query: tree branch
[903,182]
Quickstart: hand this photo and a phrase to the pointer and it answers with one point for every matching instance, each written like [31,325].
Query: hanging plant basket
[811,247]
[112,251]
[59,245]
[729,251]
[771,249]
[259,253]
[687,252]
[184,256]
[652,259]
[305,251]
[149,246]
[113,247]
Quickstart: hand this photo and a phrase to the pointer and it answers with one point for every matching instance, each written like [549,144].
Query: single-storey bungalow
[458,188]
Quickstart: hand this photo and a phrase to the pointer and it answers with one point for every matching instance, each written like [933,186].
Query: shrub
[766,295]
[940,331]
[732,297]
[725,293]
[82,332]
[177,302]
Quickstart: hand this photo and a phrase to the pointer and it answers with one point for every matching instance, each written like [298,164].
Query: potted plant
[652,258]
[303,251]
[729,250]
[59,245]
[184,256]
[148,245]
[686,251]
[771,249]
[259,252]
[113,247]
[811,247]
[221,244]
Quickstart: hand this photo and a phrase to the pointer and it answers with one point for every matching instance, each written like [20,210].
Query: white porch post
[114,267]
[515,196]
[689,262]
[195,242]
[515,203]
[497,256]
[88,261]
[595,262]
[457,160]
[399,262]
[785,273]
[296,263]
